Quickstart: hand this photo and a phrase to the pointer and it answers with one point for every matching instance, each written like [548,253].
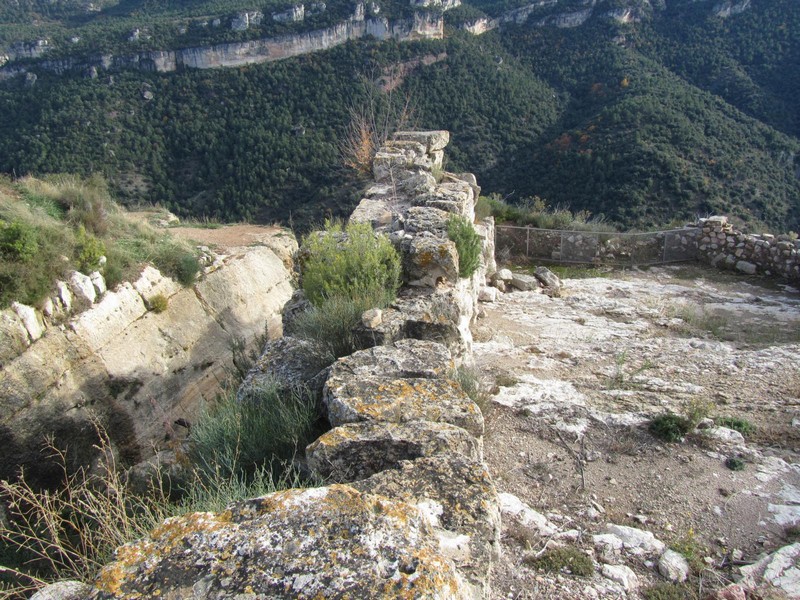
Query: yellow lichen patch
[424,258]
[127,558]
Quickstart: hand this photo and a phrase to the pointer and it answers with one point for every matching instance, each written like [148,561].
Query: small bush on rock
[158,303]
[332,322]
[468,245]
[569,559]
[743,426]
[352,262]
[670,427]
[669,591]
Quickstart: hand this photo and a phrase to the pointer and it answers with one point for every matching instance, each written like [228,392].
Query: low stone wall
[713,241]
[722,246]
[410,509]
[106,354]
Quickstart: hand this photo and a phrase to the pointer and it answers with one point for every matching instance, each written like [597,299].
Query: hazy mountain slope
[678,114]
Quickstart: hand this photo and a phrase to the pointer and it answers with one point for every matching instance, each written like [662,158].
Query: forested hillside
[679,113]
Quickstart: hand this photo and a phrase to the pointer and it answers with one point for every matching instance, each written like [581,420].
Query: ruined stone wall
[409,509]
[722,246]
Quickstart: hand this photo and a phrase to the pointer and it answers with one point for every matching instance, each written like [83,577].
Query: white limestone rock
[780,569]
[515,509]
[99,283]
[622,575]
[673,566]
[637,541]
[82,290]
[31,320]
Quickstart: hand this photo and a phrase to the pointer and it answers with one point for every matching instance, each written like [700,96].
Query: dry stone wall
[721,245]
[101,352]
[410,509]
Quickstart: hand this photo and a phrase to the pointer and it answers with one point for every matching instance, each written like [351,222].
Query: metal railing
[651,248]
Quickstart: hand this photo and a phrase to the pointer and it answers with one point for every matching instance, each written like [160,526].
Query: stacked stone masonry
[409,509]
[722,246]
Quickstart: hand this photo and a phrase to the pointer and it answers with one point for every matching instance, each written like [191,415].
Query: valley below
[578,378]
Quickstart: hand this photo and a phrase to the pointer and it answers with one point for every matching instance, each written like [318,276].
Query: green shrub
[89,250]
[352,262]
[331,323]
[158,303]
[569,559]
[17,241]
[669,591]
[468,244]
[239,435]
[670,427]
[743,426]
[734,464]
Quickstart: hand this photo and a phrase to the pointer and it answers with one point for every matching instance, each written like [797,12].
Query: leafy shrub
[176,260]
[743,426]
[695,410]
[158,303]
[239,435]
[734,464]
[17,241]
[352,262]
[670,427]
[468,245]
[89,249]
[569,559]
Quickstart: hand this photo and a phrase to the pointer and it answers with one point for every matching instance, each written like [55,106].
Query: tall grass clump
[346,271]
[468,244]
[72,532]
[237,436]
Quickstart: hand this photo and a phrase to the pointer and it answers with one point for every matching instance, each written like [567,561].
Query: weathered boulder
[637,541]
[524,283]
[63,590]
[673,566]
[152,283]
[515,510]
[547,278]
[290,362]
[325,542]
[31,320]
[622,575]
[357,450]
[425,220]
[461,501]
[82,290]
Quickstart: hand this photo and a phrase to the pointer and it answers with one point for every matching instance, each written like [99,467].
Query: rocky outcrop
[138,370]
[423,25]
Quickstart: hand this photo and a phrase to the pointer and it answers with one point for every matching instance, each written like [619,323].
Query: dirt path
[578,378]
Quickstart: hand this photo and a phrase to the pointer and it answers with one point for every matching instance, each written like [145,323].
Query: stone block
[430,260]
[357,450]
[432,140]
[524,283]
[462,503]
[375,212]
[350,399]
[746,267]
[320,542]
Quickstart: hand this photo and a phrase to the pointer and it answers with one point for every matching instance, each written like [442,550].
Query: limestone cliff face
[137,369]
[421,26]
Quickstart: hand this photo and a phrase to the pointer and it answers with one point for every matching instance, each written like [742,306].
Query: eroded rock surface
[332,542]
